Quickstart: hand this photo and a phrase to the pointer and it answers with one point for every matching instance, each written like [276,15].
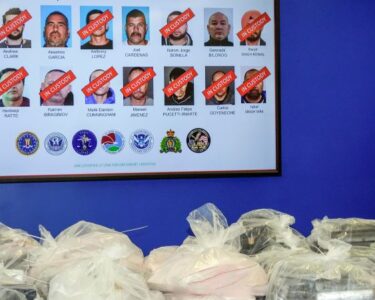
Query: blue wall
[328,145]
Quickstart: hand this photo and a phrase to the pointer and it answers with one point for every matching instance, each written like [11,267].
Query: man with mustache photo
[257,94]
[56,30]
[136,28]
[62,97]
[142,96]
[15,39]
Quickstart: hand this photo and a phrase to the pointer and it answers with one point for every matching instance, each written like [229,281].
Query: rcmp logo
[141,141]
[55,143]
[27,143]
[170,143]
[198,140]
[84,142]
[113,142]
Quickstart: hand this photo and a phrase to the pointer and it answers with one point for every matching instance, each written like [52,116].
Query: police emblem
[141,141]
[113,142]
[55,143]
[170,143]
[198,140]
[84,142]
[27,143]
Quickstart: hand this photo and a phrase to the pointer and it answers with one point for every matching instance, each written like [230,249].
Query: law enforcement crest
[170,143]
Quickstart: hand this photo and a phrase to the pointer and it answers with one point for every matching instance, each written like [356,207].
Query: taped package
[354,231]
[208,265]
[88,261]
[331,276]
[266,228]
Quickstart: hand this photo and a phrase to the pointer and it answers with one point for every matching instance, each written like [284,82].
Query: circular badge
[27,143]
[55,143]
[84,142]
[198,140]
[113,142]
[141,141]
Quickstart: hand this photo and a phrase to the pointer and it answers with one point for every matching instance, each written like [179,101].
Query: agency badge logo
[27,143]
[170,143]
[141,141]
[55,143]
[198,140]
[84,142]
[113,142]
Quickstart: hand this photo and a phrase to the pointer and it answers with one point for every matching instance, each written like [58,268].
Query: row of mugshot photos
[144,95]
[57,31]
[141,141]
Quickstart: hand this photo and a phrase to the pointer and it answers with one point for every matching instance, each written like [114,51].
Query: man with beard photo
[257,94]
[98,39]
[136,28]
[254,39]
[179,37]
[14,96]
[185,94]
[218,29]
[56,30]
[15,39]
[140,96]
[104,95]
[225,95]
[62,97]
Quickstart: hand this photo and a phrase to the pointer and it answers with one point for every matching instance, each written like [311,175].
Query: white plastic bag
[210,264]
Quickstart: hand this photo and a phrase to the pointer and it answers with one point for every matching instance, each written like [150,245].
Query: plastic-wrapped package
[331,276]
[363,251]
[15,247]
[355,231]
[269,228]
[101,277]
[209,264]
[77,243]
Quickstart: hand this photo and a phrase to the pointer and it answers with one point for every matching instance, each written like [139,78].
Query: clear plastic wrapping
[334,275]
[354,231]
[208,264]
[269,228]
[15,247]
[80,244]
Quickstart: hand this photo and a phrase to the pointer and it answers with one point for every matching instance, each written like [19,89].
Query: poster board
[188,89]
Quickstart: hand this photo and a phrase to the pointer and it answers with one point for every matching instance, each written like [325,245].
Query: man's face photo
[101,30]
[59,97]
[181,92]
[141,92]
[136,29]
[256,93]
[103,90]
[15,92]
[218,26]
[180,33]
[248,18]
[16,34]
[56,32]
[223,91]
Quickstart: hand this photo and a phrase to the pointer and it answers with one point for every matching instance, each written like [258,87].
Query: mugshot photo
[63,97]
[15,39]
[185,94]
[56,26]
[218,27]
[181,36]
[143,96]
[224,96]
[135,24]
[102,38]
[14,97]
[104,95]
[254,39]
[258,93]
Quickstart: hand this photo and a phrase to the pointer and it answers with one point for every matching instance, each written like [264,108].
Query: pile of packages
[258,257]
